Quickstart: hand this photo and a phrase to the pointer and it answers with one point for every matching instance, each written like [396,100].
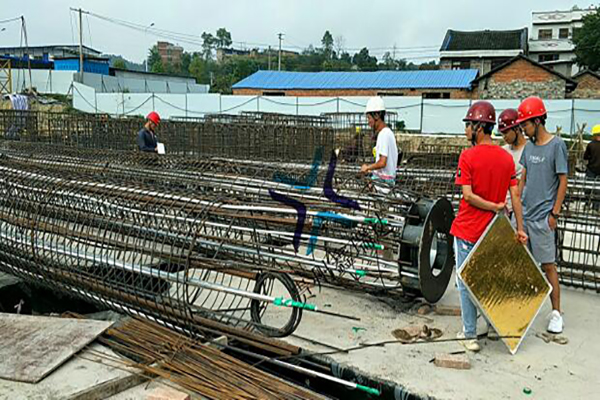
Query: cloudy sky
[415,28]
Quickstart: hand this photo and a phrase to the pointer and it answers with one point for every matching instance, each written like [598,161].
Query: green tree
[587,42]
[223,39]
[184,67]
[208,44]
[119,63]
[364,61]
[327,43]
[155,63]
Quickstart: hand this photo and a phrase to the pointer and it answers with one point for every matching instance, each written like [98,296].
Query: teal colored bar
[376,221]
[368,390]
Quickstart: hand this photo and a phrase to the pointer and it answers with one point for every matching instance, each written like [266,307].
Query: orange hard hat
[531,107]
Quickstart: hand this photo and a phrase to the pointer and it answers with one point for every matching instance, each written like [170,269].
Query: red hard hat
[531,107]
[154,117]
[481,111]
[507,119]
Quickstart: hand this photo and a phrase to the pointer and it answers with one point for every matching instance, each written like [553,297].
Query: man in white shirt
[515,143]
[386,150]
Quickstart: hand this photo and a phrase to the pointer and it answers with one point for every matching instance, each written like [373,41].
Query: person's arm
[522,181]
[518,213]
[373,167]
[479,202]
[560,197]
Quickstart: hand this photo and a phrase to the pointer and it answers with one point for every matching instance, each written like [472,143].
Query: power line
[5,21]
[195,40]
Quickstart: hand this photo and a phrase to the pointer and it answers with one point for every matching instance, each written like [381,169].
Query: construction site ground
[539,370]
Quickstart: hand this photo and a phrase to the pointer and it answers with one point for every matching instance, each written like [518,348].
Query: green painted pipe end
[368,390]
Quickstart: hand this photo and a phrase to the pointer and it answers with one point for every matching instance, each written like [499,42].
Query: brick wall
[454,93]
[588,87]
[521,79]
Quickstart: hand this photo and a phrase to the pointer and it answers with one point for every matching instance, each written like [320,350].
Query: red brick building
[169,53]
[588,85]
[521,77]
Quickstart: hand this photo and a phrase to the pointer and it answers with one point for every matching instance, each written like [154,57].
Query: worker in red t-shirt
[485,172]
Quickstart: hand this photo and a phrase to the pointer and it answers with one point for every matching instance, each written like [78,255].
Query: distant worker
[386,150]
[146,139]
[592,155]
[515,143]
[485,173]
[543,188]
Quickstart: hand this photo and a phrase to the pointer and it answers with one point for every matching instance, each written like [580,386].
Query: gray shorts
[542,241]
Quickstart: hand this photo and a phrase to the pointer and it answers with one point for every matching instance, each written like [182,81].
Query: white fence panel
[281,105]
[237,104]
[84,98]
[317,105]
[200,104]
[444,116]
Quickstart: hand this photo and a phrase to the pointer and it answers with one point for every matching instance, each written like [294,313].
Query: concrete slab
[33,346]
[549,370]
[148,389]
[77,379]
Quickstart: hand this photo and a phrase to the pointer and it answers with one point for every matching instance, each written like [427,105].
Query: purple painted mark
[328,187]
[300,209]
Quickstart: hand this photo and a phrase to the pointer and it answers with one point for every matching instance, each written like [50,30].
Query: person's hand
[364,168]
[552,222]
[521,237]
[500,206]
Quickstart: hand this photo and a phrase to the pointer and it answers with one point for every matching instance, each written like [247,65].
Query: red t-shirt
[490,170]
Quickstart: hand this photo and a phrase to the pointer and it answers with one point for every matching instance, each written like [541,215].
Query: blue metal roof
[440,79]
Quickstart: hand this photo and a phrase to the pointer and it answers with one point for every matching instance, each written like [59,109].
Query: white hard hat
[375,104]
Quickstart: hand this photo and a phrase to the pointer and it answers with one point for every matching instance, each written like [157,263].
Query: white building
[551,37]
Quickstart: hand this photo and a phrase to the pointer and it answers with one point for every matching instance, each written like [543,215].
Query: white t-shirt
[516,155]
[386,146]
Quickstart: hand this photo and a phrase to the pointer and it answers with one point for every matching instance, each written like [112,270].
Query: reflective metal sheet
[505,281]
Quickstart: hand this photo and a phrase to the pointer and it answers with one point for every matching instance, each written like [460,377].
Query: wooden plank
[34,346]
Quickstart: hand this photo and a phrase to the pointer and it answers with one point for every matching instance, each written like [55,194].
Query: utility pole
[24,33]
[80,46]
[280,36]
[269,58]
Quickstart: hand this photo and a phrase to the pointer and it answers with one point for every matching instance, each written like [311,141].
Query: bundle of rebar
[198,367]
[310,228]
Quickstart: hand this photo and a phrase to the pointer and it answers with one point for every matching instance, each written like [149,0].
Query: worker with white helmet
[386,150]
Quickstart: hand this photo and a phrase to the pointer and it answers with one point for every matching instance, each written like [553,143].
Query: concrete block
[166,393]
[454,361]
[425,309]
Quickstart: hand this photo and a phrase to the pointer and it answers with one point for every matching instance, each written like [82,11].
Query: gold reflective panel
[505,281]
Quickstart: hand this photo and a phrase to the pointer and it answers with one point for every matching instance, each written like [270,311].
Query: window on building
[576,31]
[545,34]
[279,94]
[547,57]
[390,93]
[461,64]
[563,33]
[436,95]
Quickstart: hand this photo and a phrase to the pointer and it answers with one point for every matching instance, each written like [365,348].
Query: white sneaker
[556,322]
[469,344]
